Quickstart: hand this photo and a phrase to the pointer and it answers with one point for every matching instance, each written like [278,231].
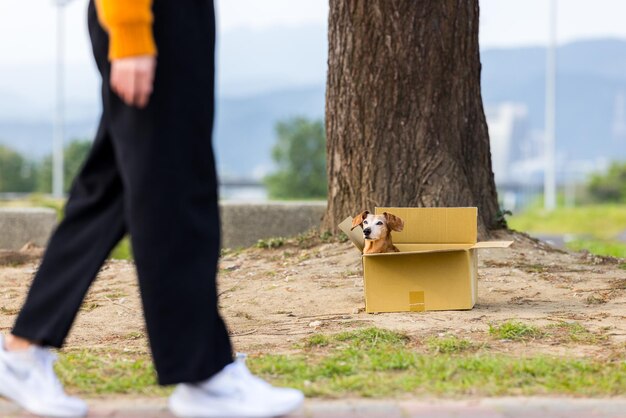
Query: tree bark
[405,123]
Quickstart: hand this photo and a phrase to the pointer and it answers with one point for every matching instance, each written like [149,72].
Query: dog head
[377,226]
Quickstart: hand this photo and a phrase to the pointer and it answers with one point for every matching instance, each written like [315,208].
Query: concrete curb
[243,224]
[19,226]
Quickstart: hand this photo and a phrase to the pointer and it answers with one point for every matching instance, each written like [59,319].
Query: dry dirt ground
[273,298]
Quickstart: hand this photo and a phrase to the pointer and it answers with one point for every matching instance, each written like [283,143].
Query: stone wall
[243,224]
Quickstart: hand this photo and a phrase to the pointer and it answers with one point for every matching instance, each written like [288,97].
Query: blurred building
[517,154]
[618,127]
[508,133]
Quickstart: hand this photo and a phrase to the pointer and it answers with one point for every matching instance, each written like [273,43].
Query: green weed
[100,373]
[123,250]
[270,243]
[372,362]
[317,340]
[573,332]
[89,306]
[448,345]
[599,247]
[326,236]
[379,363]
[512,330]
[602,221]
[372,337]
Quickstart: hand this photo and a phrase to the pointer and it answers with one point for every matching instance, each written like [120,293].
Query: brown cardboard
[435,225]
[436,268]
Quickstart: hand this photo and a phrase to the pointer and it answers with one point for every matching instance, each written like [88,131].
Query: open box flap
[493,244]
[425,251]
[438,248]
[356,235]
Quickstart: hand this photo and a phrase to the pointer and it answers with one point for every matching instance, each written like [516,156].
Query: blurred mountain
[590,88]
[268,75]
[244,127]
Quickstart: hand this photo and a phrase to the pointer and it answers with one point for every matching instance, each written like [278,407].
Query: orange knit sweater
[129,24]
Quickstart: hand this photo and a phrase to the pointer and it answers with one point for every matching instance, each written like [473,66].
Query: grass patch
[573,332]
[599,247]
[270,243]
[599,224]
[134,335]
[379,363]
[314,237]
[89,306]
[565,332]
[372,337]
[448,345]
[622,266]
[372,362]
[91,373]
[123,250]
[516,331]
[317,340]
[602,221]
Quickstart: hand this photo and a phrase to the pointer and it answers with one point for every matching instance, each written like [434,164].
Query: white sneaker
[28,379]
[234,392]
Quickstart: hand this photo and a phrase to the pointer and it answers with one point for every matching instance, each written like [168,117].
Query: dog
[377,231]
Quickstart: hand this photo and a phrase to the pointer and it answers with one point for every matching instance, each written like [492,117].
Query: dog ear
[358,219]
[394,222]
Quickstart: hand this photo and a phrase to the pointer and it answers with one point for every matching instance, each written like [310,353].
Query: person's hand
[132,79]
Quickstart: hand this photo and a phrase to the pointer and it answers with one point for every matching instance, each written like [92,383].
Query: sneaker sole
[181,410]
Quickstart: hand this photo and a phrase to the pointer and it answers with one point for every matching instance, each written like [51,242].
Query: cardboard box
[436,268]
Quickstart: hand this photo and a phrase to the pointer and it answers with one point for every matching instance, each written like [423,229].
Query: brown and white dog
[377,231]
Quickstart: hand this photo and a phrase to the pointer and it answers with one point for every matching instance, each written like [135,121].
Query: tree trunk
[404,117]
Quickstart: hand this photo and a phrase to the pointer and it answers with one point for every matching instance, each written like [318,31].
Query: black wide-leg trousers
[150,173]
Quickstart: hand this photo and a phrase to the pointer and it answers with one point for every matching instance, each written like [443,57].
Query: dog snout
[367,231]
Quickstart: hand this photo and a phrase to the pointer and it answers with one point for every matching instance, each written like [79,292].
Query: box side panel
[439,281]
[436,225]
[473,263]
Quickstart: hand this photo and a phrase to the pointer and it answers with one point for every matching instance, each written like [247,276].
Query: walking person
[150,173]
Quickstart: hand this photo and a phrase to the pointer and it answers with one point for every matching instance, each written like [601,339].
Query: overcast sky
[27,26]
[27,32]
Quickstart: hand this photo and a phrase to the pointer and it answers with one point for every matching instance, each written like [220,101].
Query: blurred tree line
[300,158]
[609,186]
[299,155]
[21,175]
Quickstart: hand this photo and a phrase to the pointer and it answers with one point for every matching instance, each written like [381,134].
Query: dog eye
[365,222]
[379,223]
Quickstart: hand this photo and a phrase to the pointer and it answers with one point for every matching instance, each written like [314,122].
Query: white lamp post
[549,182]
[59,122]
